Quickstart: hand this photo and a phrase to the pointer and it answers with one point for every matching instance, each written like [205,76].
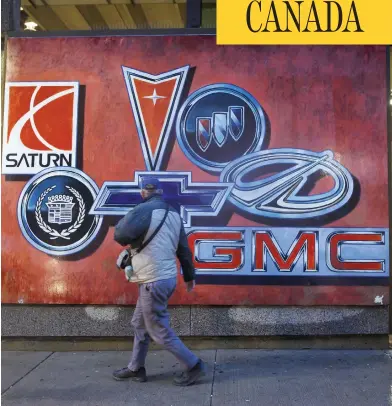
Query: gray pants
[151,320]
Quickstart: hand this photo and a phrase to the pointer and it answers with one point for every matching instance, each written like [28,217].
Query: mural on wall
[278,168]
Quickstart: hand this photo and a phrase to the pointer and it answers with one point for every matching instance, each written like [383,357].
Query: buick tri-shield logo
[219,123]
[54,210]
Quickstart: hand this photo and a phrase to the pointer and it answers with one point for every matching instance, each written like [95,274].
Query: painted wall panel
[275,157]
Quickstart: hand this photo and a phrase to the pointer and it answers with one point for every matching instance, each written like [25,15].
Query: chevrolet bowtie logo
[189,198]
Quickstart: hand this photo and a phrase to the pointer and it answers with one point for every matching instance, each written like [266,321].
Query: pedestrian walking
[155,234]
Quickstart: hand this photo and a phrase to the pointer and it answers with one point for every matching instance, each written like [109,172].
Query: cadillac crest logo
[53,211]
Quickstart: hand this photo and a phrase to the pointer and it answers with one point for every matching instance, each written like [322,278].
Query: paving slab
[302,378]
[84,379]
[16,364]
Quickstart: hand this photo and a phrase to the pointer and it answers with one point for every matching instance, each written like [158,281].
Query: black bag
[125,258]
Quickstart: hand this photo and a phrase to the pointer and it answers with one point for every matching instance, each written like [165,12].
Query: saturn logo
[40,126]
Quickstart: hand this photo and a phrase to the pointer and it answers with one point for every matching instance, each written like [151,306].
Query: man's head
[150,186]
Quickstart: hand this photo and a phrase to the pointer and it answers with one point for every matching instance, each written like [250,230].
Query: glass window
[63,15]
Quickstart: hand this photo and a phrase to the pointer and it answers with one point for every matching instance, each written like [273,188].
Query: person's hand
[190,285]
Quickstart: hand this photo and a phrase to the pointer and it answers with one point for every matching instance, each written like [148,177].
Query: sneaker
[125,373]
[192,375]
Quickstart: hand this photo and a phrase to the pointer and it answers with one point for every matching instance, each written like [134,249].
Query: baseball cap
[150,184]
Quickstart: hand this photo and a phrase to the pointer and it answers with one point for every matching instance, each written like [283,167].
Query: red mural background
[316,98]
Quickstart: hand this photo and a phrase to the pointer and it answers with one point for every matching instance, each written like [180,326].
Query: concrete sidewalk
[235,377]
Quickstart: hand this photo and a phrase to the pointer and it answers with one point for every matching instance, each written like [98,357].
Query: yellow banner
[342,22]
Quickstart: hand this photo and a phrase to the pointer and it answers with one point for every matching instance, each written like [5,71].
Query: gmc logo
[290,251]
